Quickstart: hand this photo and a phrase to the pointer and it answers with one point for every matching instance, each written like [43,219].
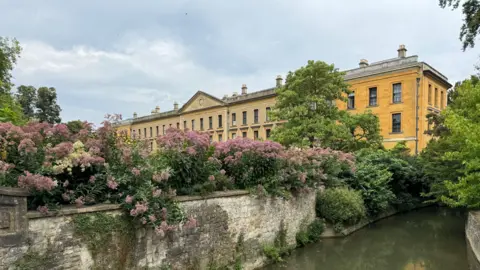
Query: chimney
[157,109]
[175,106]
[153,112]
[402,51]
[134,115]
[234,94]
[279,80]
[363,63]
[244,89]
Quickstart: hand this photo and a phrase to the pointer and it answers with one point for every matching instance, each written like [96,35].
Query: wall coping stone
[16,192]
[73,210]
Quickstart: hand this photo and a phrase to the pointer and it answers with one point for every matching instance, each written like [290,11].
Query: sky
[130,56]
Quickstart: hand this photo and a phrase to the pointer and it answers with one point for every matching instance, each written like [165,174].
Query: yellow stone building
[401,91]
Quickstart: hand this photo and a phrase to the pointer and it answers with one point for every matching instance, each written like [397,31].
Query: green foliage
[34,260]
[340,206]
[46,103]
[10,110]
[307,100]
[75,126]
[273,253]
[462,122]
[311,234]
[372,180]
[279,249]
[26,97]
[9,52]
[471,20]
[407,178]
[108,237]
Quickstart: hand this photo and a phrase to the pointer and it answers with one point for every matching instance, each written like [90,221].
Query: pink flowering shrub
[249,162]
[188,154]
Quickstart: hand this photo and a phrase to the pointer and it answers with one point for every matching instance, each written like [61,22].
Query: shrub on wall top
[341,206]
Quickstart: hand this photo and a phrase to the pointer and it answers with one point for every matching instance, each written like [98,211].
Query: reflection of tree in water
[428,239]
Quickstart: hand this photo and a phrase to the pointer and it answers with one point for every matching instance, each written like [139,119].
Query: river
[427,239]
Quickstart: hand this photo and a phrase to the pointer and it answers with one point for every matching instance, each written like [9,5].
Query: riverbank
[472,233]
[427,238]
[331,233]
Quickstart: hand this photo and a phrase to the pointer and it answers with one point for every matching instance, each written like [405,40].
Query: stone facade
[232,227]
[472,232]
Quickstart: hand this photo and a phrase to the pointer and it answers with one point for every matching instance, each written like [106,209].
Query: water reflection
[428,239]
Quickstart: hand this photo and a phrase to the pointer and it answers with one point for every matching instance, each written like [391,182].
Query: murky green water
[431,238]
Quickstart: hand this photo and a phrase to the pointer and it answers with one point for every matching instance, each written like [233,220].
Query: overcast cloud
[129,56]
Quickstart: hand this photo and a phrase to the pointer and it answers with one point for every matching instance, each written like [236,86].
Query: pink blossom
[61,150]
[191,223]
[129,199]
[111,183]
[211,178]
[222,172]
[66,197]
[80,201]
[143,220]
[136,171]
[4,167]
[302,177]
[66,183]
[156,193]
[92,179]
[152,218]
[36,181]
[26,146]
[140,208]
[191,151]
[43,209]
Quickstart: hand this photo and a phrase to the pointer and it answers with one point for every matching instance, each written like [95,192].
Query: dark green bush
[341,206]
[311,234]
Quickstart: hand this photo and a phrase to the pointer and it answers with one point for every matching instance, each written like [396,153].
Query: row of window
[244,135]
[442,97]
[210,123]
[373,96]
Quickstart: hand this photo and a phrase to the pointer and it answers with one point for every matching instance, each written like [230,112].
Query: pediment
[201,100]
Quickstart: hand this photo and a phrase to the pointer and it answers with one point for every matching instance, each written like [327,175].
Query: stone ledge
[14,192]
[72,210]
[218,194]
[330,232]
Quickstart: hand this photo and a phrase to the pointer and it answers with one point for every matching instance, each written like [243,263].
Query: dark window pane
[396,122]
[397,93]
[372,96]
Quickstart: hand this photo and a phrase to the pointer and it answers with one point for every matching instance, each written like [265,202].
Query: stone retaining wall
[472,232]
[233,227]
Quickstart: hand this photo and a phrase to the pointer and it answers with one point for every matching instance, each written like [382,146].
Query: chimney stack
[363,63]
[175,106]
[157,109]
[279,80]
[134,115]
[402,51]
[244,89]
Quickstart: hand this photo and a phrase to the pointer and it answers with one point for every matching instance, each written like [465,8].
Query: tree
[26,97]
[307,102]
[462,122]
[10,110]
[75,126]
[46,103]
[9,52]
[471,20]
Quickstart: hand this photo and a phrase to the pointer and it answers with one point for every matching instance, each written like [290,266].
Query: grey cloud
[125,56]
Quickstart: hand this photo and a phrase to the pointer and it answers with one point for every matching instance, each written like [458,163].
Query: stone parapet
[472,233]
